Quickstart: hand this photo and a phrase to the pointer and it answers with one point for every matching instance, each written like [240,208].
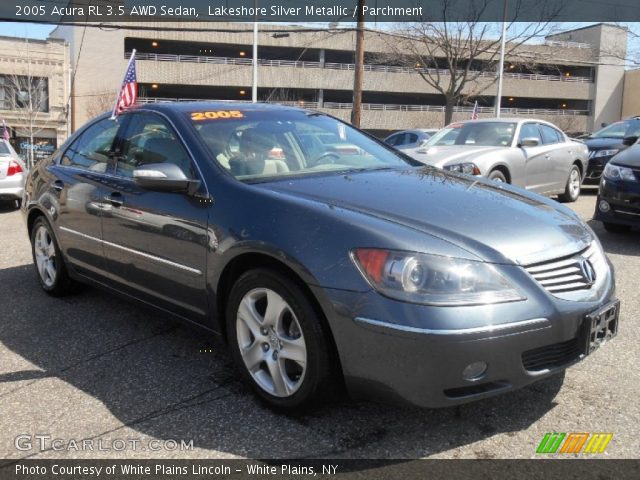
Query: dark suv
[607,142]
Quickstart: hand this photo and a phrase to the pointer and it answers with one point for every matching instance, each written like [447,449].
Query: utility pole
[356,111]
[254,86]
[498,102]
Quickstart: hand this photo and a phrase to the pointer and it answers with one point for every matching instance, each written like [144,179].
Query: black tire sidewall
[317,372]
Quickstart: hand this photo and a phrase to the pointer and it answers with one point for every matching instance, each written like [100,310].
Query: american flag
[5,131]
[475,114]
[129,92]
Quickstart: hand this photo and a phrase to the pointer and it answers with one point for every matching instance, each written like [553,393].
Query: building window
[21,92]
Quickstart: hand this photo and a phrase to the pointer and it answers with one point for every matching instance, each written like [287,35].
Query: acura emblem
[588,272]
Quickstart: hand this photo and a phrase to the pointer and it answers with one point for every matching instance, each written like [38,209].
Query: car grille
[552,356]
[591,154]
[569,274]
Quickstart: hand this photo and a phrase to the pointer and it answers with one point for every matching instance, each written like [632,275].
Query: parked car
[532,154]
[618,205]
[409,140]
[319,269]
[12,174]
[607,142]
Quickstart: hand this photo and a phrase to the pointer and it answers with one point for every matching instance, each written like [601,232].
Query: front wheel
[572,188]
[277,340]
[497,176]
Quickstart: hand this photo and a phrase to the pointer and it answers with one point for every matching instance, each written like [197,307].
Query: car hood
[439,156]
[629,157]
[498,223]
[603,143]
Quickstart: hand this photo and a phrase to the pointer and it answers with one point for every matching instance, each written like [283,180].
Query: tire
[616,227]
[47,259]
[285,359]
[572,188]
[497,176]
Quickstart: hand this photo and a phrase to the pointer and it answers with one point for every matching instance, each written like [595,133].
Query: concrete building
[631,94]
[574,79]
[34,92]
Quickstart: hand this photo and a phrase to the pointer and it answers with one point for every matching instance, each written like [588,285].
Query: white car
[13,173]
[529,153]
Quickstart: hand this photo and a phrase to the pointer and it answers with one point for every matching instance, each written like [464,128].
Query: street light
[501,65]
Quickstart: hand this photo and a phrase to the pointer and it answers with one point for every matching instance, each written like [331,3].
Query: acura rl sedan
[403,282]
[531,154]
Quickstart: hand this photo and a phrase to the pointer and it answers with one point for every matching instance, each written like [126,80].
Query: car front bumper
[623,200]
[595,168]
[421,362]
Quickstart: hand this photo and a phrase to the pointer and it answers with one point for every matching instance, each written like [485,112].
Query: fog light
[604,206]
[474,371]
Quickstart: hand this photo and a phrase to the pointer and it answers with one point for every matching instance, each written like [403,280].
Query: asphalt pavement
[92,376]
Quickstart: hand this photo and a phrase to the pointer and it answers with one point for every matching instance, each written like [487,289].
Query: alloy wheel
[574,183]
[45,253]
[271,342]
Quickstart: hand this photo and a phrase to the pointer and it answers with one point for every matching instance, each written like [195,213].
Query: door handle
[547,157]
[58,185]
[116,199]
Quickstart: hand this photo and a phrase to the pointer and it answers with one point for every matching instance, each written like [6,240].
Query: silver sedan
[12,174]
[532,154]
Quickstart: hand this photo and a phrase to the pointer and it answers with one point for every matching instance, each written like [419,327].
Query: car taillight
[14,167]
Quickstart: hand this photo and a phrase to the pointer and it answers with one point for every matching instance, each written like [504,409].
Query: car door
[155,242]
[560,161]
[78,185]
[536,158]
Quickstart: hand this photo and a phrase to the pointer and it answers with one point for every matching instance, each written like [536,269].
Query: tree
[453,57]
[28,99]
[99,103]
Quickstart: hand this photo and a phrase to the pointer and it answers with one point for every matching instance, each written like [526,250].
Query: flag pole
[115,105]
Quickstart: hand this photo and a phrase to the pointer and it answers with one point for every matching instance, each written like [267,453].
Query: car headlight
[615,172]
[605,153]
[466,168]
[433,279]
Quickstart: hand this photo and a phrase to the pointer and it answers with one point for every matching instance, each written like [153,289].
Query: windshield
[255,144]
[630,128]
[489,134]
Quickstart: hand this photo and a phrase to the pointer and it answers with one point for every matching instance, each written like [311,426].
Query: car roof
[186,107]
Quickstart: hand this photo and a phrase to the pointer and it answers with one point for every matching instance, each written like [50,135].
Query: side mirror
[530,142]
[164,177]
[628,141]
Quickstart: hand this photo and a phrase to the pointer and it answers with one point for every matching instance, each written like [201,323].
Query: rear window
[4,150]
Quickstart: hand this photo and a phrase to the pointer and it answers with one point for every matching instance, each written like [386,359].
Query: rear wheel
[572,188]
[48,261]
[497,176]
[616,227]
[277,340]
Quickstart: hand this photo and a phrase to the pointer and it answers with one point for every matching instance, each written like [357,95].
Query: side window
[412,138]
[149,139]
[394,140]
[549,135]
[530,130]
[91,149]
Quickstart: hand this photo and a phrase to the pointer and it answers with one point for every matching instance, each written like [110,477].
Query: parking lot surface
[108,379]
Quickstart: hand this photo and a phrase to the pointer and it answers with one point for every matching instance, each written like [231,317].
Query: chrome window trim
[457,331]
[135,252]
